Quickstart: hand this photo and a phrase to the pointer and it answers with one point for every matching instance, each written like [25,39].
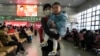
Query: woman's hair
[46,6]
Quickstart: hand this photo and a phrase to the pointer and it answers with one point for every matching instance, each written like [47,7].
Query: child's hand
[53,24]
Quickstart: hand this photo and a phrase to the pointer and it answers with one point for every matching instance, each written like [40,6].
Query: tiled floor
[67,49]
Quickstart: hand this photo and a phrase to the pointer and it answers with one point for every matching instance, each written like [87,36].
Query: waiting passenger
[8,41]
[13,33]
[89,39]
[97,38]
[82,39]
[68,34]
[23,33]
[75,36]
[29,33]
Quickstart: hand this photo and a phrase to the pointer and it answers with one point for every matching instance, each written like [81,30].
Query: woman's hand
[59,39]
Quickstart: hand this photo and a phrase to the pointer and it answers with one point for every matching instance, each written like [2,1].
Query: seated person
[8,41]
[29,33]
[97,37]
[23,34]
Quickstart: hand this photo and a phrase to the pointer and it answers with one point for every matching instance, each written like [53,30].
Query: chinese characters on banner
[17,23]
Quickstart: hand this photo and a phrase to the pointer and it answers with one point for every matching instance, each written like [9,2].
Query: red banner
[37,25]
[17,23]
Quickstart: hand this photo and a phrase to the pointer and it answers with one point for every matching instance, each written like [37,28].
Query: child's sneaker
[53,53]
[43,44]
[18,54]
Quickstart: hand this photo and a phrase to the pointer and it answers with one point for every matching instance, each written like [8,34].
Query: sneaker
[53,53]
[18,54]
[43,44]
[23,52]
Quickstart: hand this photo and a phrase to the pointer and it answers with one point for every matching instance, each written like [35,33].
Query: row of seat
[6,50]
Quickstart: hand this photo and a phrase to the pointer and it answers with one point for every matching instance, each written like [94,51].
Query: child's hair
[56,3]
[46,6]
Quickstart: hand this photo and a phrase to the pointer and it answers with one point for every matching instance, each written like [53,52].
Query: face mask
[47,12]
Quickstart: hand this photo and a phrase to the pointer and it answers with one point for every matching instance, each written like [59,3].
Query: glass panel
[79,14]
[89,15]
[98,7]
[81,27]
[97,17]
[79,21]
[88,28]
[93,18]
[93,23]
[94,8]
[96,27]
[84,24]
[79,17]
[82,16]
[97,22]
[97,12]
[92,28]
[93,13]
[84,12]
[85,16]
[88,19]
[89,10]
[88,23]
[84,20]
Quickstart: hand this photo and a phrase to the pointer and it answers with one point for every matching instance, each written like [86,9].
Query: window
[92,28]
[93,13]
[85,16]
[88,28]
[79,21]
[84,24]
[84,20]
[94,8]
[84,12]
[98,7]
[88,19]
[93,18]
[96,27]
[97,23]
[93,23]
[97,17]
[88,23]
[89,10]
[97,12]
[89,15]
[82,17]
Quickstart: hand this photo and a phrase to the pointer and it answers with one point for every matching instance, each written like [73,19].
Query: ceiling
[72,3]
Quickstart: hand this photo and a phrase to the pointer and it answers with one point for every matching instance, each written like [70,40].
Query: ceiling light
[90,5]
[69,4]
[10,1]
